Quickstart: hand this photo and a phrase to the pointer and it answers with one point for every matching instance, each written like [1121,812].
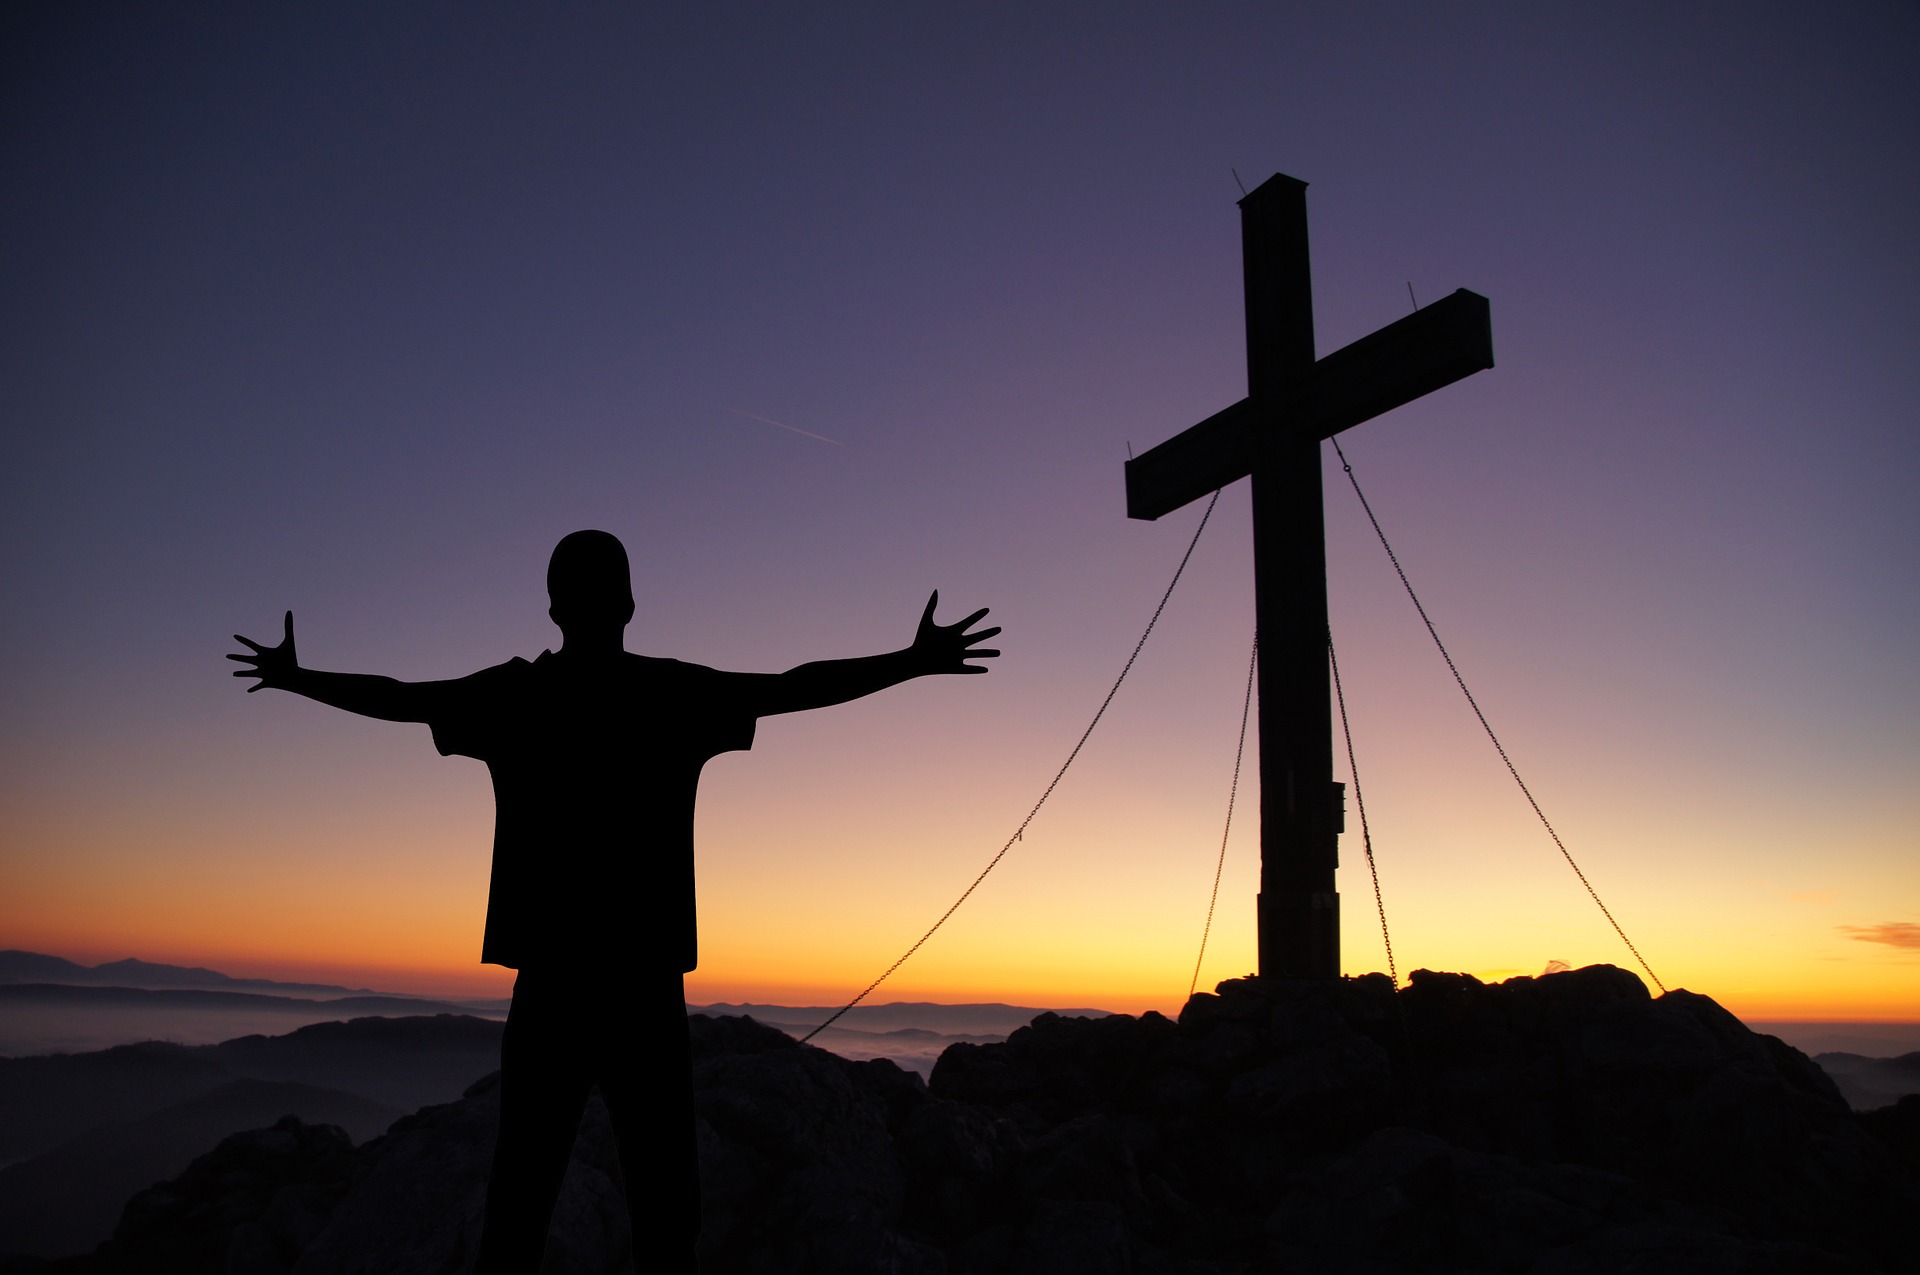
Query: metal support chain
[1474,704]
[1360,801]
[1020,832]
[1239,753]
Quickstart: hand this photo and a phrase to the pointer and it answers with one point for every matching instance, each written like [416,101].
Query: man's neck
[594,645]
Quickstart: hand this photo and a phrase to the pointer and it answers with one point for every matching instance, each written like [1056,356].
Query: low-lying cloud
[1893,933]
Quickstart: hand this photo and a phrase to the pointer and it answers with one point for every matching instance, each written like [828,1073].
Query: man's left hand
[946,648]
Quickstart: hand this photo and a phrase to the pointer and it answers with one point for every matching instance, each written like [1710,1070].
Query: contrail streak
[783,425]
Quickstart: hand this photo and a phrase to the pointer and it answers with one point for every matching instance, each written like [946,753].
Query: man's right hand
[275,666]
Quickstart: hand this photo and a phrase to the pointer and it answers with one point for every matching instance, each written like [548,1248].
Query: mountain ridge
[69,1198]
[1570,1122]
[18,966]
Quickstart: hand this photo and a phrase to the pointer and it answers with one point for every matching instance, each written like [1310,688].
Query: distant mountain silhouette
[1876,1039]
[992,1019]
[1569,1122]
[208,998]
[52,1005]
[39,1018]
[401,1063]
[1870,1083]
[34,967]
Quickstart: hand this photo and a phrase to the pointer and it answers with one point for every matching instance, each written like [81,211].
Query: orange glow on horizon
[791,914]
[339,937]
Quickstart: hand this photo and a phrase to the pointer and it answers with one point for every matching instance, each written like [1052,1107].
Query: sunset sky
[355,310]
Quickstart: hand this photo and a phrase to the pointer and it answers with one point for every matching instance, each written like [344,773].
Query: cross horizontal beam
[1436,346]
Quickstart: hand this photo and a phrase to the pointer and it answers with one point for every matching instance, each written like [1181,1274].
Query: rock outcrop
[1564,1124]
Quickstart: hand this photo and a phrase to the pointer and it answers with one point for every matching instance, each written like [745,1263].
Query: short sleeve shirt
[594,777]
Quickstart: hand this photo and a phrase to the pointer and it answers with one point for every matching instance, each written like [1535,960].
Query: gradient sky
[357,309]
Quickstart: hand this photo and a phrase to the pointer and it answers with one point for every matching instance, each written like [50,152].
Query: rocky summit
[1557,1125]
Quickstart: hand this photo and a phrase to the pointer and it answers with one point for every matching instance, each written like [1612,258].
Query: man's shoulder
[515,669]
[485,685]
[663,666]
[465,712]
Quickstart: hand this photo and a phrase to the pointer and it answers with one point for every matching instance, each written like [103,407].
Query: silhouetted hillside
[989,1019]
[1868,1083]
[67,1200]
[911,1034]
[404,1063]
[17,966]
[1566,1123]
[89,1130]
[400,1063]
[46,1100]
[42,1018]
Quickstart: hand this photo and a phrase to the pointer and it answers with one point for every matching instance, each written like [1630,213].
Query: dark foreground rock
[1559,1125]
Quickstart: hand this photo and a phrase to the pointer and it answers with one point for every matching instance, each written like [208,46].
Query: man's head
[589,585]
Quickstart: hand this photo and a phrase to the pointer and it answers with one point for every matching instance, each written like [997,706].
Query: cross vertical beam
[1298,909]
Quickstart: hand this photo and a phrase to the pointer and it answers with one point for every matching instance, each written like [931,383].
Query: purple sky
[356,309]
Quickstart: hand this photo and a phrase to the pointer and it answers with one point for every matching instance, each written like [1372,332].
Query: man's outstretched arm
[278,667]
[936,648]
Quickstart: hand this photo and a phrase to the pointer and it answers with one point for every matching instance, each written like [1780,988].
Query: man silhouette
[595,755]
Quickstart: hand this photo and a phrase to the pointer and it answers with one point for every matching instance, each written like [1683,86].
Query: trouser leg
[653,1124]
[544,1079]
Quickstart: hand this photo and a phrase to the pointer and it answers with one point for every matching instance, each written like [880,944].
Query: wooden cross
[1274,434]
